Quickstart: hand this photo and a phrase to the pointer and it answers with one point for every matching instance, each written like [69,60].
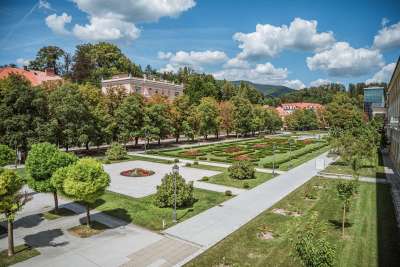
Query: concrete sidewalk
[211,226]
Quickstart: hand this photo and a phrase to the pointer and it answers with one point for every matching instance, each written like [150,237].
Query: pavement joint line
[177,238]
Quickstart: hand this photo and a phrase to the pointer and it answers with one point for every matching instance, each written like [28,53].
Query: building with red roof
[35,77]
[288,108]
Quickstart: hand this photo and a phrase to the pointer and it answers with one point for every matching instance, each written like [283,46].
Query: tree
[42,161]
[226,115]
[157,121]
[165,192]
[11,201]
[250,93]
[208,114]
[71,120]
[6,155]
[273,121]
[242,115]
[241,170]
[23,113]
[302,119]
[180,111]
[116,152]
[129,118]
[48,57]
[345,191]
[83,181]
[258,119]
[199,86]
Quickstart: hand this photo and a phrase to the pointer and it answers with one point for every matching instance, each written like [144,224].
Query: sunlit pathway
[211,226]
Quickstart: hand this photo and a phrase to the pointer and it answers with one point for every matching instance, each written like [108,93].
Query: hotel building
[143,86]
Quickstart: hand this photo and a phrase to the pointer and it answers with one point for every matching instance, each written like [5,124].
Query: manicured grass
[56,214]
[208,167]
[143,212]
[372,237]
[136,157]
[22,253]
[83,231]
[374,170]
[298,161]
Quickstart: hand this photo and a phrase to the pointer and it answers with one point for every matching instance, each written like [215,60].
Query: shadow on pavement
[45,239]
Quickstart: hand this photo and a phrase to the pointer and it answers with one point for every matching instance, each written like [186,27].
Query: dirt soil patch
[232,149]
[83,231]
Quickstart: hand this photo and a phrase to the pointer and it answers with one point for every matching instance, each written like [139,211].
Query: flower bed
[137,172]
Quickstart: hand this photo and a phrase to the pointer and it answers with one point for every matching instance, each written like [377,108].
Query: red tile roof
[35,77]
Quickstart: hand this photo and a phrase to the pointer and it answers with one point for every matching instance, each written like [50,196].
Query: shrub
[176,160]
[205,178]
[202,158]
[315,252]
[165,192]
[246,185]
[6,155]
[196,163]
[116,152]
[188,164]
[228,193]
[241,170]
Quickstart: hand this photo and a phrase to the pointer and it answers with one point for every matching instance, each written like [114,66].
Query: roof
[302,105]
[394,74]
[35,77]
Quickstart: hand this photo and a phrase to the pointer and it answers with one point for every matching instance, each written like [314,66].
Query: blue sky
[296,43]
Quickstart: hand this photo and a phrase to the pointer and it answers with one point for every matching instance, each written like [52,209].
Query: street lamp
[175,171]
[145,139]
[273,159]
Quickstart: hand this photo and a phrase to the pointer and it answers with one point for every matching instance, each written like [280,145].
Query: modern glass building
[374,99]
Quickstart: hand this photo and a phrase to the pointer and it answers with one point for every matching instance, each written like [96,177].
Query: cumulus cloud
[57,23]
[101,29]
[344,60]
[269,40]
[320,82]
[388,37]
[22,62]
[236,63]
[114,20]
[294,84]
[193,59]
[382,75]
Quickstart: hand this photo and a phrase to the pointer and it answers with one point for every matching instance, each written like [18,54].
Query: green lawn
[375,170]
[135,157]
[141,211]
[22,253]
[298,161]
[372,237]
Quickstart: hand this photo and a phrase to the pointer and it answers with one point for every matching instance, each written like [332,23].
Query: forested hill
[268,89]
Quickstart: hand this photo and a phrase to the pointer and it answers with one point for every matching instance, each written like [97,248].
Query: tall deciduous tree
[157,120]
[83,181]
[6,155]
[208,114]
[48,57]
[242,115]
[180,112]
[226,114]
[43,160]
[11,201]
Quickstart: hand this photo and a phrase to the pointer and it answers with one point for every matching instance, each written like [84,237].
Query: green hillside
[268,89]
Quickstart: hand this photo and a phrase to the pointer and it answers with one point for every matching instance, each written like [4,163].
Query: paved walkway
[349,177]
[211,226]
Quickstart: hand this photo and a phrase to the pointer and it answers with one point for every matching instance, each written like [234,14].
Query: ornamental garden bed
[137,172]
[259,151]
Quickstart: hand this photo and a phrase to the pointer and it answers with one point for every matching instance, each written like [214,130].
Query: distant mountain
[268,89]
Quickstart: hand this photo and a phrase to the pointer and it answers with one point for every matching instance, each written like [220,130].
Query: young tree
[83,181]
[129,118]
[11,201]
[345,191]
[208,114]
[43,160]
[7,155]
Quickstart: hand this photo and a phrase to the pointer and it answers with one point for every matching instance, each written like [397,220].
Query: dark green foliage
[116,152]
[7,155]
[48,57]
[322,94]
[165,192]
[241,170]
[228,193]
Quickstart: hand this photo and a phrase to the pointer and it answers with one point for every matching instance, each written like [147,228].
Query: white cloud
[294,84]
[344,60]
[236,63]
[114,20]
[269,40]
[57,23]
[388,37]
[43,4]
[22,62]
[193,59]
[260,73]
[382,75]
[320,82]
[102,29]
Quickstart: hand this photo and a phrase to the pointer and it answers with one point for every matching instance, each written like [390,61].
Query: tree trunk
[177,138]
[55,200]
[344,218]
[10,229]
[136,140]
[87,215]
[205,137]
[87,145]
[227,133]
[159,141]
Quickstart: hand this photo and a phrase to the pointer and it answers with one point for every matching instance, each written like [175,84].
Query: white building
[143,86]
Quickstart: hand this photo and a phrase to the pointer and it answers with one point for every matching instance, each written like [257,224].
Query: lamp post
[145,139]
[175,171]
[290,152]
[273,159]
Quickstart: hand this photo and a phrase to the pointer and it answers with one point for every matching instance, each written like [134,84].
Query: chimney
[49,72]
